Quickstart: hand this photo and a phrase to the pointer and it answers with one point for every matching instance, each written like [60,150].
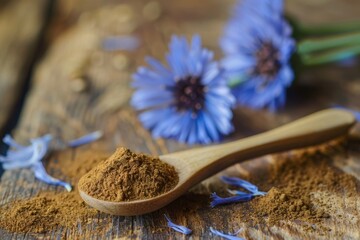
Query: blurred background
[57,72]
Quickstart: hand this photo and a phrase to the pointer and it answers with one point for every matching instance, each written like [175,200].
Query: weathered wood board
[21,23]
[78,87]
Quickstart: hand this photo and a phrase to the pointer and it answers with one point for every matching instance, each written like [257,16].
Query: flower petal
[159,67]
[144,99]
[89,138]
[230,236]
[234,181]
[41,174]
[178,228]
[216,200]
[28,156]
[117,43]
[11,142]
[31,156]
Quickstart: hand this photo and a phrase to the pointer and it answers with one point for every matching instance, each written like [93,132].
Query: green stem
[327,29]
[331,56]
[312,45]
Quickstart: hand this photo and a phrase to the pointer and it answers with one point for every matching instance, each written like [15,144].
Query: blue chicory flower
[257,45]
[189,100]
[89,138]
[231,236]
[178,228]
[216,200]
[234,181]
[30,157]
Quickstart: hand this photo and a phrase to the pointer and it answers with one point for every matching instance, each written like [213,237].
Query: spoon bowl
[197,164]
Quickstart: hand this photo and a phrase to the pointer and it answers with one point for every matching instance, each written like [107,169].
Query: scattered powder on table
[76,166]
[50,210]
[301,186]
[44,212]
[127,176]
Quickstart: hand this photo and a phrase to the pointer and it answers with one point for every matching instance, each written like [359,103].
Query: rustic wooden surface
[21,23]
[78,87]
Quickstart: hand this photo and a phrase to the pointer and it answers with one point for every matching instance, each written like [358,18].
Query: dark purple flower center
[189,94]
[268,63]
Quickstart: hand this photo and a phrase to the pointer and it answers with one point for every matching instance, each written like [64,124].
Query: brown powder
[301,186]
[74,167]
[281,205]
[45,212]
[127,176]
[49,210]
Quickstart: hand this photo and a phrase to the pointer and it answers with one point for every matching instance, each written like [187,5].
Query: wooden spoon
[197,164]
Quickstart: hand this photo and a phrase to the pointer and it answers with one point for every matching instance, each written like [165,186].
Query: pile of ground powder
[49,210]
[44,212]
[295,180]
[127,176]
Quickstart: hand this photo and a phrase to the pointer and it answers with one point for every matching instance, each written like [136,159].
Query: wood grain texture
[21,22]
[79,87]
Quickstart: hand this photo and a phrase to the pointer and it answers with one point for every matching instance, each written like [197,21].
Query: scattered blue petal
[240,196]
[234,181]
[355,113]
[118,43]
[188,99]
[258,47]
[89,138]
[25,156]
[31,156]
[216,200]
[231,236]
[40,174]
[237,192]
[178,228]
[11,142]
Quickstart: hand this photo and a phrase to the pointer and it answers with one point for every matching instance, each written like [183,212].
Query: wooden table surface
[76,87]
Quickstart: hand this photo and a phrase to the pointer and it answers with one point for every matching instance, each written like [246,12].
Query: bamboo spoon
[195,165]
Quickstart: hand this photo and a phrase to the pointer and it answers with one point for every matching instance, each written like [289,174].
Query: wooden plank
[21,22]
[78,88]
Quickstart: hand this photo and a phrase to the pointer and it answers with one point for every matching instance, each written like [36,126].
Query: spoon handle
[314,129]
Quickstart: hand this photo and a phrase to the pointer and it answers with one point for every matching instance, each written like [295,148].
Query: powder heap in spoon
[127,176]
